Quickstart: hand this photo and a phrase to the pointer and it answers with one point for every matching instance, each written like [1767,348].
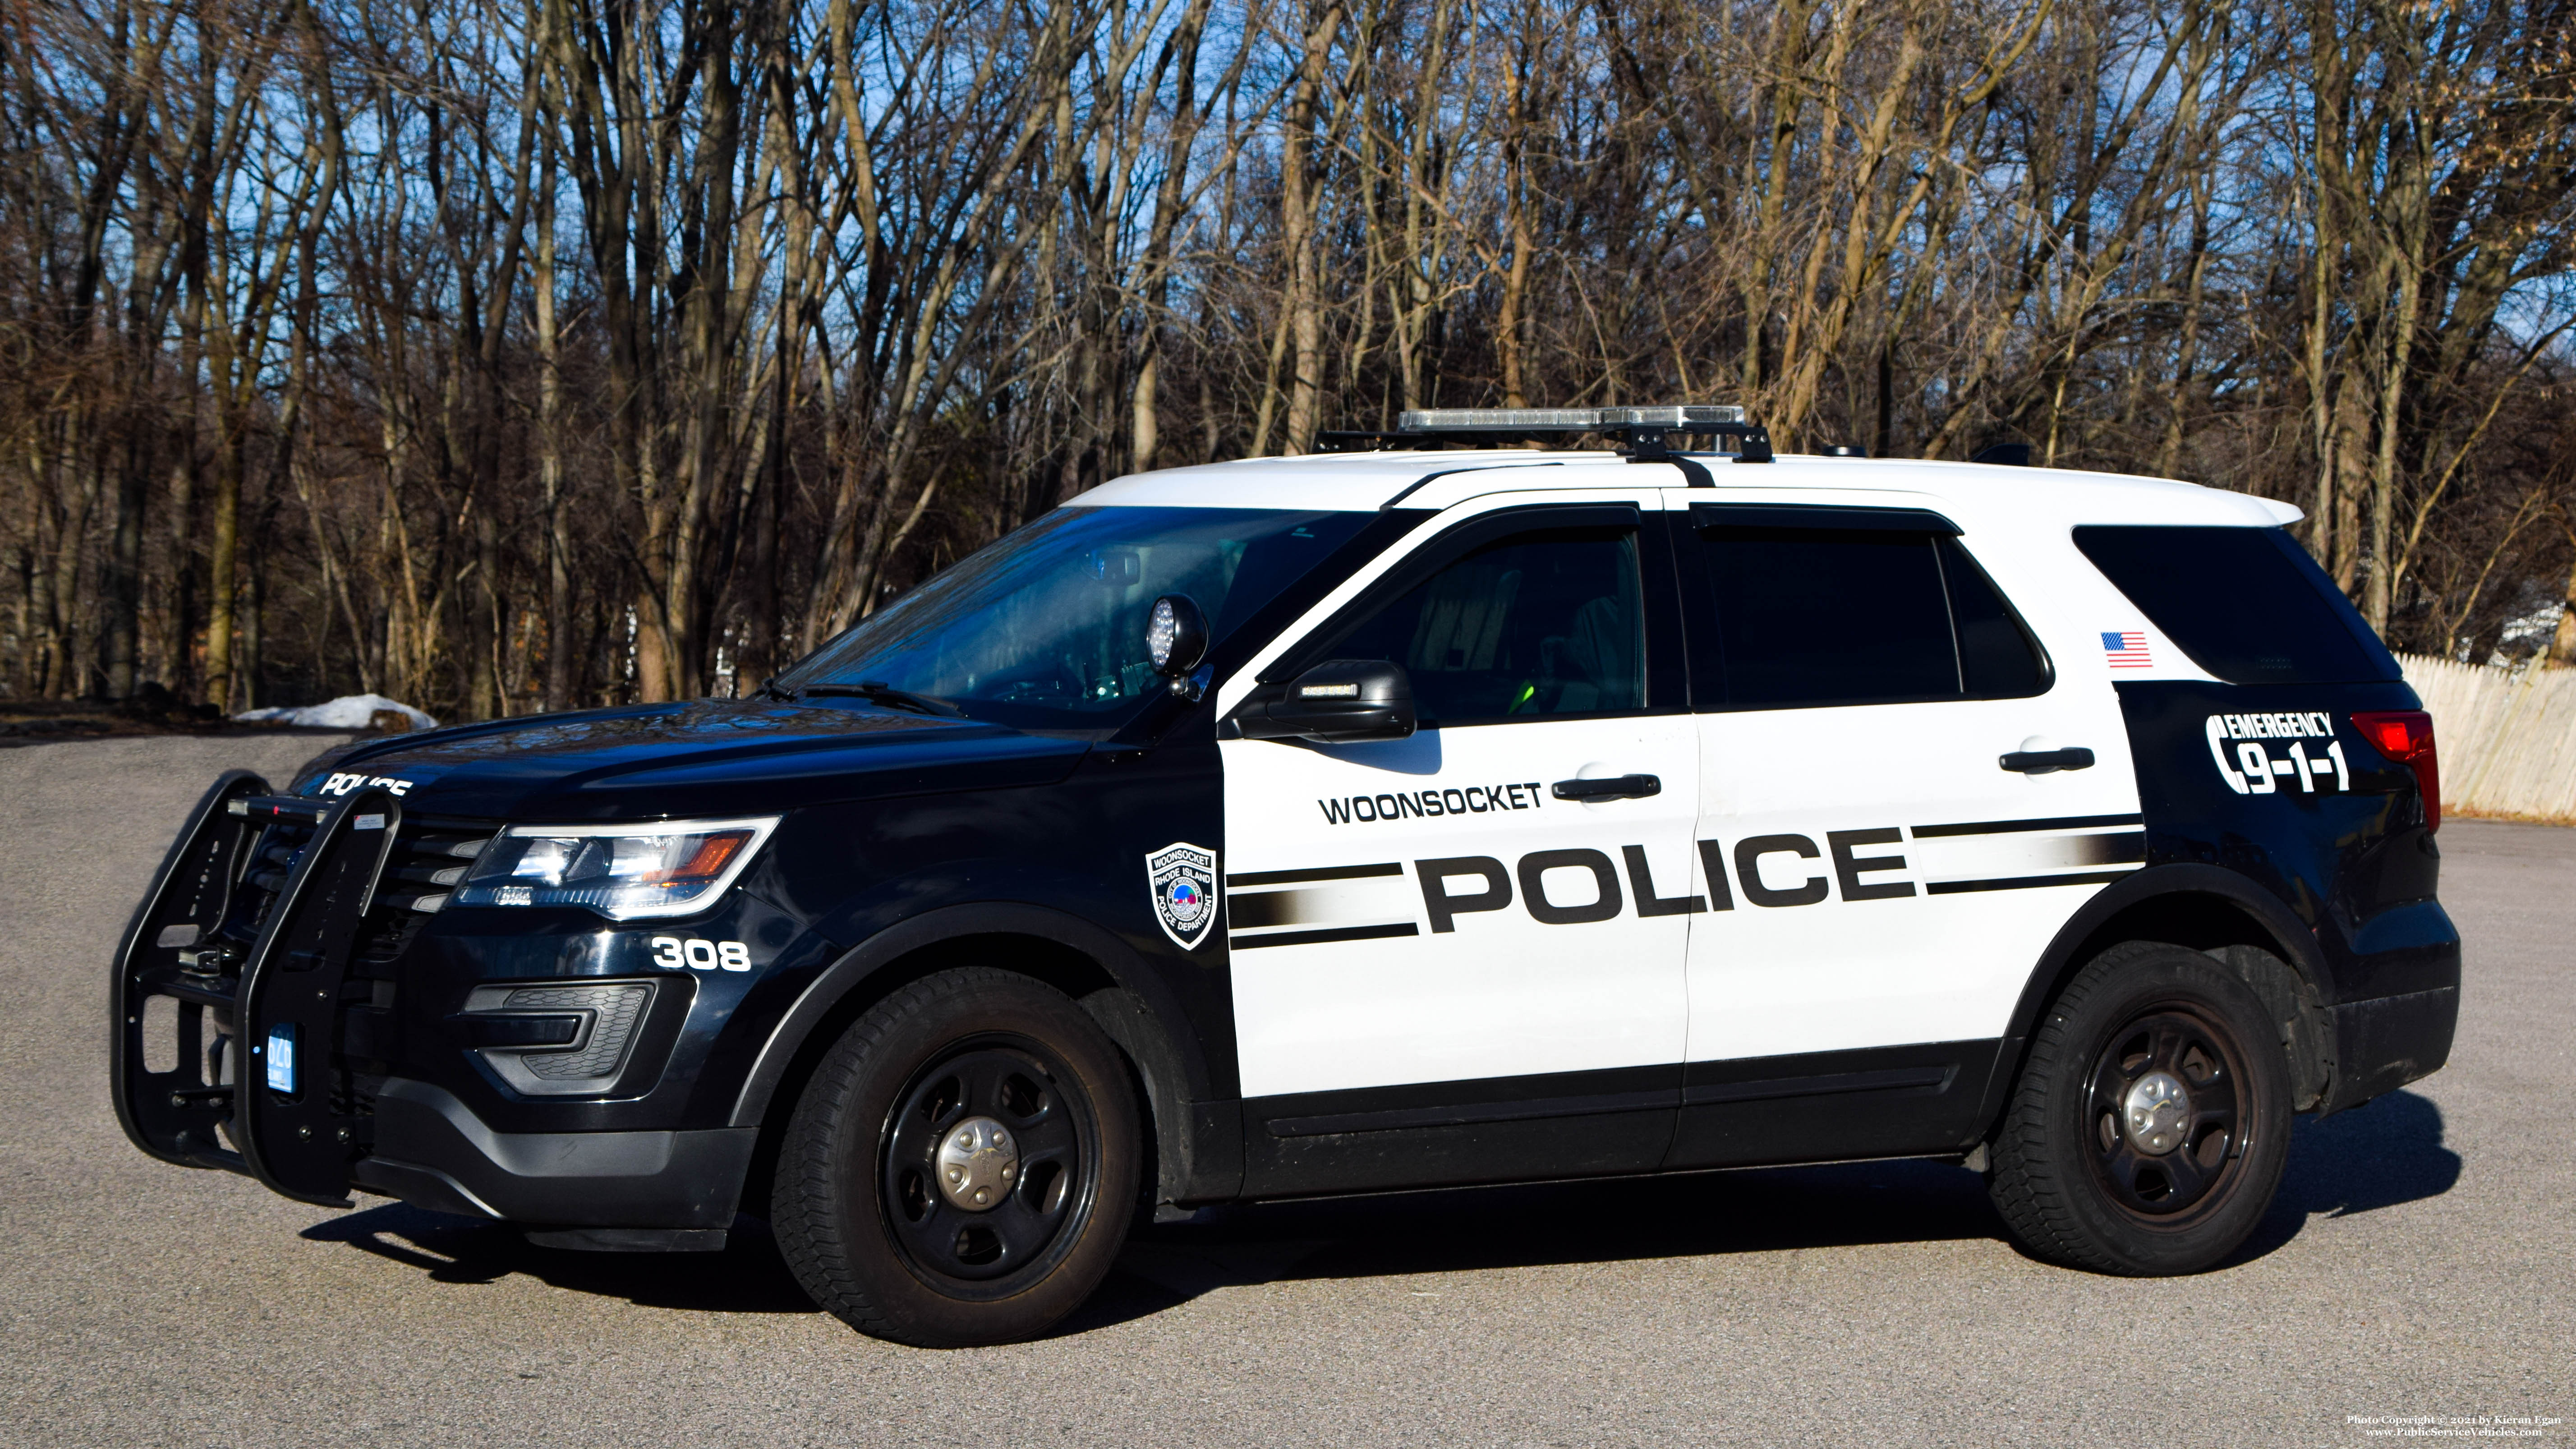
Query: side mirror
[1176,639]
[1340,701]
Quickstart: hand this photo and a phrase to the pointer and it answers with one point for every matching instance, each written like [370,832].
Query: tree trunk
[1302,186]
[2562,644]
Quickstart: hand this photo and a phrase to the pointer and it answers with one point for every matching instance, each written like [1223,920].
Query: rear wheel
[960,1167]
[2150,1125]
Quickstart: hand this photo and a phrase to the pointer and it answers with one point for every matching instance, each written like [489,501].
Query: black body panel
[2342,873]
[2354,864]
[704,757]
[1807,1107]
[433,1151]
[1817,1106]
[1442,1134]
[940,871]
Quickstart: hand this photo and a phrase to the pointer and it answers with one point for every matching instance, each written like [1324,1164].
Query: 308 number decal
[701,955]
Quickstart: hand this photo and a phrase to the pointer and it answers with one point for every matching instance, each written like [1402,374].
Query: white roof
[1365,482]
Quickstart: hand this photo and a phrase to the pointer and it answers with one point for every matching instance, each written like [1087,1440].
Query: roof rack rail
[1643,434]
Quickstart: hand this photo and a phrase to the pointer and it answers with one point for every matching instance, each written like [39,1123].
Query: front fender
[1200,1139]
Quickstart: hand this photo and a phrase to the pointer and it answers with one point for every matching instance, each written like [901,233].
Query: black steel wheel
[2162,1101]
[2150,1125]
[962,1165]
[985,1163]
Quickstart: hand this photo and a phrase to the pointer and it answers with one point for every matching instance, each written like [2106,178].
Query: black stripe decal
[1894,1079]
[1660,1099]
[2025,882]
[2007,827]
[1329,872]
[1317,938]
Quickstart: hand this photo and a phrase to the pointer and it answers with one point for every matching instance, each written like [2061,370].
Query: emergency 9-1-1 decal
[1184,882]
[2238,742]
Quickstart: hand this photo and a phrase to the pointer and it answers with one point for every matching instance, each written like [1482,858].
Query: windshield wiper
[876,691]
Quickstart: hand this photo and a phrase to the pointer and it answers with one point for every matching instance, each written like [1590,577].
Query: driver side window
[1544,623]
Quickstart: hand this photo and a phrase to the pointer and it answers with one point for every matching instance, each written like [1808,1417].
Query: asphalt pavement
[2419,1265]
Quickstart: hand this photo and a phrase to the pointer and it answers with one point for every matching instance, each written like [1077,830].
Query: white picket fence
[2507,736]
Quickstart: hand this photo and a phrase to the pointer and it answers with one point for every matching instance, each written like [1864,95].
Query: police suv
[1419,813]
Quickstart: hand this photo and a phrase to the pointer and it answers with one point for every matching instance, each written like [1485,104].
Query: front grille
[429,859]
[430,856]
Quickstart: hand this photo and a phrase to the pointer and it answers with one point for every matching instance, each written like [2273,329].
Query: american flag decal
[2126,650]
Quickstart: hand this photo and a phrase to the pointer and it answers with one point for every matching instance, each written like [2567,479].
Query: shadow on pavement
[747,1277]
[2387,1153]
[1600,1221]
[2377,1155]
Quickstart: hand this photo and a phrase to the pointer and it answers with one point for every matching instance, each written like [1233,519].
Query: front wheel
[2149,1128]
[960,1168]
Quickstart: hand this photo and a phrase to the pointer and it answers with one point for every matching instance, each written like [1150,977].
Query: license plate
[281,1059]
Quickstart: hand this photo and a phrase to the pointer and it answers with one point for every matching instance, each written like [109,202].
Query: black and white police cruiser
[1392,817]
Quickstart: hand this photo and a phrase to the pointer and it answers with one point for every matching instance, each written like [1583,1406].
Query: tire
[2099,1165]
[1005,1091]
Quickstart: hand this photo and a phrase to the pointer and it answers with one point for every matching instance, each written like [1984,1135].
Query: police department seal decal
[1183,880]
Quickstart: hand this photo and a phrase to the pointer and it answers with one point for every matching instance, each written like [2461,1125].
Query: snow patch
[348,712]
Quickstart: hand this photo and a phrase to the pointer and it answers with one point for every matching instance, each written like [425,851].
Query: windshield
[1046,628]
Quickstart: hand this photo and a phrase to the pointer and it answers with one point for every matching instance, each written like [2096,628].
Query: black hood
[700,757]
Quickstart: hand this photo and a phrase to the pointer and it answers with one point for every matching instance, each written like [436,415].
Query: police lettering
[2249,769]
[1472,800]
[1463,885]
[343,784]
[2304,725]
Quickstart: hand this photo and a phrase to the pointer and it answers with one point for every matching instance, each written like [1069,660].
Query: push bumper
[433,1152]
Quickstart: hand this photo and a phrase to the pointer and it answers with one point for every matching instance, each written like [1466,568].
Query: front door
[1878,820]
[1452,960]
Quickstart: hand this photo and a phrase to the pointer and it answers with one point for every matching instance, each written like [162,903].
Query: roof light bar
[1642,433]
[1571,420]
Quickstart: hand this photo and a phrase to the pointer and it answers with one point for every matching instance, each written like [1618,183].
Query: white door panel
[1356,965]
[1394,992]
[1917,944]
[1891,883]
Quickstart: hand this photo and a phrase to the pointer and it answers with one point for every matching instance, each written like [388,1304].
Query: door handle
[2043,762]
[1612,787]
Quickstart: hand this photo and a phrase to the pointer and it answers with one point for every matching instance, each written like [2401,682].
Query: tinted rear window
[1838,616]
[2247,604]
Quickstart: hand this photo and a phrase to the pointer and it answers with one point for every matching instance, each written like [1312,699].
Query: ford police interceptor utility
[1383,818]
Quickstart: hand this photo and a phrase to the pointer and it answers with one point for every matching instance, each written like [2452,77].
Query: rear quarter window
[2247,604]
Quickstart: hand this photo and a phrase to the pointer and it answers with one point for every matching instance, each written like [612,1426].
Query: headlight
[669,868]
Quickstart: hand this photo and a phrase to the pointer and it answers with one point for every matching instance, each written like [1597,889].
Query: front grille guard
[293,975]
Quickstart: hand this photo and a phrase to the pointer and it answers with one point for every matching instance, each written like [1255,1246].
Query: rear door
[1885,843]
[1443,968]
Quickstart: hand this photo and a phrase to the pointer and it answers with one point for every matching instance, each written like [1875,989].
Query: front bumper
[283,931]
[433,1152]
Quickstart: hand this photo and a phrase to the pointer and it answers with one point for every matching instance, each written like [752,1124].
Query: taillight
[2406,736]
